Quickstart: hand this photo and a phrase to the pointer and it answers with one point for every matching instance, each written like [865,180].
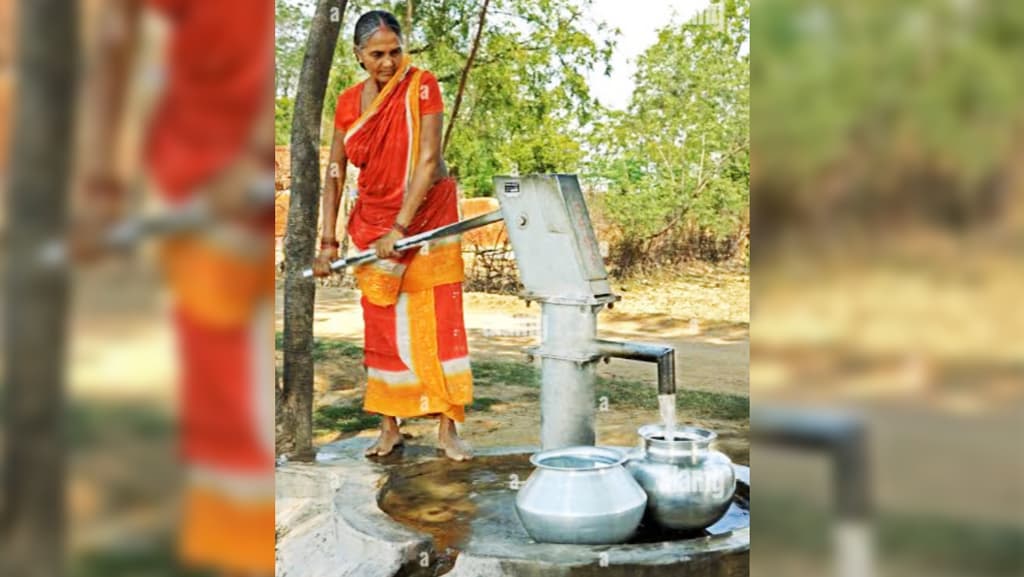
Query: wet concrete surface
[471,505]
[458,519]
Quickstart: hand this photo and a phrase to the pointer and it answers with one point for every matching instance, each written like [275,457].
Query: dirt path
[711,355]
[704,319]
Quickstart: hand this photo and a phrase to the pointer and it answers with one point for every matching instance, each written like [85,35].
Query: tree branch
[465,74]
[421,49]
[701,184]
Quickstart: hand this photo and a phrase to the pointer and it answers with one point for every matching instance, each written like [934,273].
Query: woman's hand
[322,264]
[385,245]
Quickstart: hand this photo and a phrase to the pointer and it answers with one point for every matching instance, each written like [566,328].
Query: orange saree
[417,360]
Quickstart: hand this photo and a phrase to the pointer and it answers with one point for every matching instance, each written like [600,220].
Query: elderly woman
[389,126]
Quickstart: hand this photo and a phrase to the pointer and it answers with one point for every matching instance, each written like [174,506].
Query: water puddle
[453,502]
[474,502]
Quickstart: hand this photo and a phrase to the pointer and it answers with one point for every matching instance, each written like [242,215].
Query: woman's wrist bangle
[329,244]
[400,228]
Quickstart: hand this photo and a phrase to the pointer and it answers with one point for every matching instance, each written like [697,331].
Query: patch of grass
[92,423]
[326,349]
[917,540]
[705,404]
[971,547]
[623,392]
[343,418]
[158,561]
[487,373]
[484,403]
[714,405]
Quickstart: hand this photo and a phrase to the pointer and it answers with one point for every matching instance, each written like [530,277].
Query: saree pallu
[417,358]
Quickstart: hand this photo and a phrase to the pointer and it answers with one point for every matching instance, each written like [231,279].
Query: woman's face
[382,55]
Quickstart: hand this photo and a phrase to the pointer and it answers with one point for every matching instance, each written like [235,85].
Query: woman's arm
[423,175]
[334,182]
[422,180]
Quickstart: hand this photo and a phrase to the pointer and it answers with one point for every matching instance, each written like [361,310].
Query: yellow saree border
[381,281]
[383,95]
[213,284]
[434,267]
[430,386]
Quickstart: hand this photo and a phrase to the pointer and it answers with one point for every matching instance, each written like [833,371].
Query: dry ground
[703,314]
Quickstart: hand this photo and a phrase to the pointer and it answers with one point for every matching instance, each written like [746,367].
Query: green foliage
[343,418]
[284,109]
[335,348]
[480,404]
[679,158]
[864,107]
[159,559]
[919,543]
[501,373]
[525,98]
[326,348]
[291,25]
[620,392]
[92,425]
[694,404]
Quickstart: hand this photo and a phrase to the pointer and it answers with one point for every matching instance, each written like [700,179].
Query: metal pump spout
[664,356]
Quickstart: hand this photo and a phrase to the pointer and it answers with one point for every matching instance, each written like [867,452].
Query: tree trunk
[36,297]
[465,74]
[300,235]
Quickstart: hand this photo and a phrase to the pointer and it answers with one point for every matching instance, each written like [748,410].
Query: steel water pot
[689,485]
[580,495]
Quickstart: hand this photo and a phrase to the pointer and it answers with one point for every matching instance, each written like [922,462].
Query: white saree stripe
[456,366]
[235,485]
[403,332]
[393,378]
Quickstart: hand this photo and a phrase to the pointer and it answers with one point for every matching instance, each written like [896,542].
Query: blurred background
[123,467]
[115,357]
[888,206]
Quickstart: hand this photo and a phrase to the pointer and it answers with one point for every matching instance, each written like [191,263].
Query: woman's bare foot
[390,437]
[448,439]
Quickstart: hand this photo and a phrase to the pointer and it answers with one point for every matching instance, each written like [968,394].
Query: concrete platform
[329,524]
